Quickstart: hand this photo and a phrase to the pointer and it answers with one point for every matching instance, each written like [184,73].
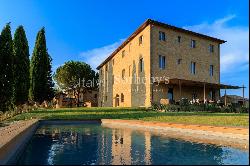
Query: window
[122,97]
[101,72]
[129,68]
[113,79]
[211,70]
[123,53]
[106,83]
[179,39]
[95,95]
[140,39]
[179,61]
[113,61]
[170,94]
[141,64]
[106,98]
[211,48]
[193,43]
[129,47]
[162,62]
[193,69]
[123,74]
[106,67]
[162,36]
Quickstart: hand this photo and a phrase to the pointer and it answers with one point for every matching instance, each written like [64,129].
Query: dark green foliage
[235,109]
[6,70]
[50,84]
[211,107]
[21,66]
[171,108]
[76,77]
[41,84]
[185,106]
[155,107]
[71,74]
[184,102]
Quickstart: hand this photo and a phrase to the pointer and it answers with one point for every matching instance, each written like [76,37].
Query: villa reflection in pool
[94,144]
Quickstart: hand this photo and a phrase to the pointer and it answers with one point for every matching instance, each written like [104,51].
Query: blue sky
[89,30]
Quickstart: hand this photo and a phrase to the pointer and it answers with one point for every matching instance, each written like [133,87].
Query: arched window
[122,97]
[141,64]
[117,100]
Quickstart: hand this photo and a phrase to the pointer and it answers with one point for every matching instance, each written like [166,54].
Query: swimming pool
[91,143]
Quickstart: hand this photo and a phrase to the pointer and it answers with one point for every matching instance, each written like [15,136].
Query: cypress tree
[50,83]
[6,70]
[40,70]
[21,66]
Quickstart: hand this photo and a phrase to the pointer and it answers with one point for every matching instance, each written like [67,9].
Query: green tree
[21,66]
[75,76]
[40,69]
[50,84]
[6,70]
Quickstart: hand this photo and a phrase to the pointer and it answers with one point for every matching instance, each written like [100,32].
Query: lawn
[202,118]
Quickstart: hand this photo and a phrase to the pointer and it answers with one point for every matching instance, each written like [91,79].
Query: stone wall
[113,86]
[127,60]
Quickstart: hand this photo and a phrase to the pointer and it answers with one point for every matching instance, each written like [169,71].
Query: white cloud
[235,52]
[96,56]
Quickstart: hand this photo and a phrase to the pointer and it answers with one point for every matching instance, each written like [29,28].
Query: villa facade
[160,61]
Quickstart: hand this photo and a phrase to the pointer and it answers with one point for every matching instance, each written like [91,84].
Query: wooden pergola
[204,85]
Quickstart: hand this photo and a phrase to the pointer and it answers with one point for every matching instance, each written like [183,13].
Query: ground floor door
[117,100]
[170,94]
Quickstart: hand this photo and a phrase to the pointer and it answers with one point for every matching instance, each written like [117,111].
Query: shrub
[171,108]
[225,109]
[211,107]
[184,102]
[155,107]
[244,110]
[196,108]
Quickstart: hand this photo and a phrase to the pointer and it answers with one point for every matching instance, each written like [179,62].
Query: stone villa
[160,61]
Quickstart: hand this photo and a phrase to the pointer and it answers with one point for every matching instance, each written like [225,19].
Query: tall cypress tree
[50,83]
[40,69]
[21,66]
[6,70]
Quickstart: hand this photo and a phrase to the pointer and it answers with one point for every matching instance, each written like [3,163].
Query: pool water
[94,144]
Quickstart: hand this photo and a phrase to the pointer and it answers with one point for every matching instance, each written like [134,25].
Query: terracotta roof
[153,22]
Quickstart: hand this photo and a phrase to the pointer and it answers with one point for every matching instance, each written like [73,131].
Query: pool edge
[15,144]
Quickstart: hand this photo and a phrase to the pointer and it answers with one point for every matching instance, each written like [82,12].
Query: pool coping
[15,136]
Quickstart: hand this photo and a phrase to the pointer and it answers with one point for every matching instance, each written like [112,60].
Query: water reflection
[93,144]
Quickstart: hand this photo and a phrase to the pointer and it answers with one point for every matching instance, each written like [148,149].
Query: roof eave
[144,25]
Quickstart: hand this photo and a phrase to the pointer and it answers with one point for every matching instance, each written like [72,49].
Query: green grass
[202,118]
